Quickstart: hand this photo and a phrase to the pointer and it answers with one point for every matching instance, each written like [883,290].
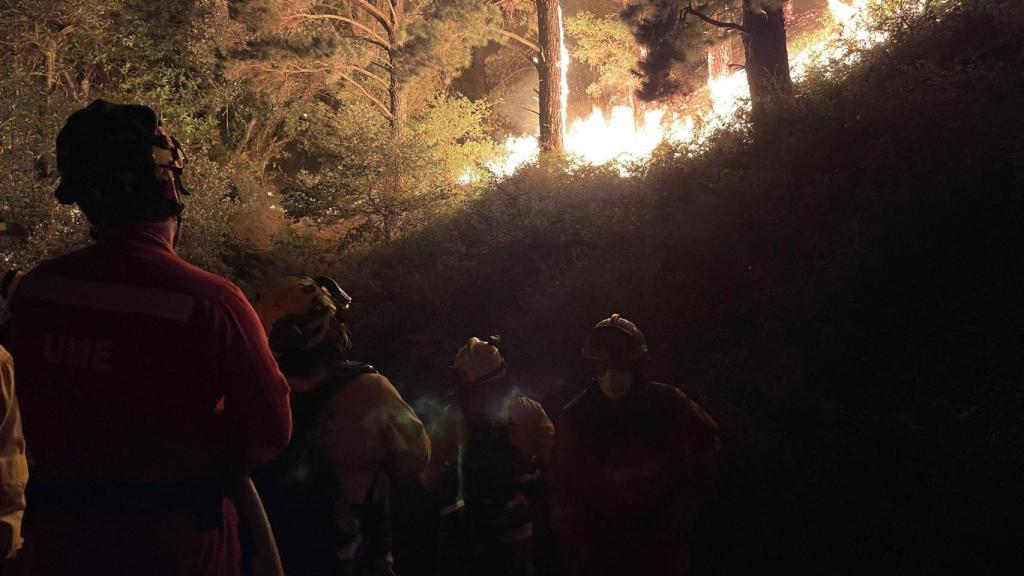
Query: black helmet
[615,340]
[118,165]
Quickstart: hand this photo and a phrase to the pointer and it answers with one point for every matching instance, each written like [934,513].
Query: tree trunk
[396,93]
[767,60]
[478,71]
[549,69]
[396,102]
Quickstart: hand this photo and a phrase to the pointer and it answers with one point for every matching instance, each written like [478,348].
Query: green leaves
[442,40]
[606,45]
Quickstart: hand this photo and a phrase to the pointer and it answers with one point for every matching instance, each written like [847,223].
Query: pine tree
[675,31]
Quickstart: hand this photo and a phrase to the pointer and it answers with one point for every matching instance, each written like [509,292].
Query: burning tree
[536,27]
[675,32]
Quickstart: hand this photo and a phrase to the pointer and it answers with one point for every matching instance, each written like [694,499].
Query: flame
[563,69]
[625,135]
[621,136]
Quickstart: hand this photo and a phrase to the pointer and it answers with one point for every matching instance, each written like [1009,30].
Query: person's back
[355,435]
[486,469]
[147,388]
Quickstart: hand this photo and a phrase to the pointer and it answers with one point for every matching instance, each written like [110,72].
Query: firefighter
[13,466]
[632,461]
[327,495]
[146,384]
[489,451]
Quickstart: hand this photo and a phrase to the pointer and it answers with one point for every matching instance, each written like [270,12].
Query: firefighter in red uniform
[631,463]
[146,384]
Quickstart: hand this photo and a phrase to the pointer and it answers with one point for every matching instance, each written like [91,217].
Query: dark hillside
[845,295]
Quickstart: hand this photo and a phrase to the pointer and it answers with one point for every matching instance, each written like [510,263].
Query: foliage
[845,301]
[357,87]
[607,45]
[441,41]
[349,177]
[61,55]
[675,35]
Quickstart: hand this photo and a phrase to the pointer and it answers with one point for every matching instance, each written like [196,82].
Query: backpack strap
[309,411]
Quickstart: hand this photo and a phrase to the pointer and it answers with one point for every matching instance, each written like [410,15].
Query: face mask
[615,383]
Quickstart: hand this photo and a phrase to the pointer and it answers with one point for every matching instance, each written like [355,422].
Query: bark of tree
[396,96]
[478,71]
[767,59]
[549,70]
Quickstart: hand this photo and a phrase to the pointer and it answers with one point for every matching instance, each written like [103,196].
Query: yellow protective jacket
[371,429]
[13,465]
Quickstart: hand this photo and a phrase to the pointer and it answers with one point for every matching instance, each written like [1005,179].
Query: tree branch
[383,109]
[520,39]
[375,38]
[717,23]
[377,14]
[391,8]
[380,80]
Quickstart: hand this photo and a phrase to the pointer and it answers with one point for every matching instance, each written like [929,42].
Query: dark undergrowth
[845,294]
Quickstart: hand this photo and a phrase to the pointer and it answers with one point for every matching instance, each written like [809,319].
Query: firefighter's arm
[404,437]
[700,433]
[699,446]
[13,465]
[531,431]
[566,503]
[256,405]
[445,440]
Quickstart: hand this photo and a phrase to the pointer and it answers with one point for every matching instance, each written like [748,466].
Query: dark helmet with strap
[119,166]
[616,341]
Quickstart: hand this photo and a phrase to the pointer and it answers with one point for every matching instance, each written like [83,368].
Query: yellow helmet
[296,313]
[479,360]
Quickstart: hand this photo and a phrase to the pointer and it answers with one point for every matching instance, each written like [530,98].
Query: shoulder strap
[308,411]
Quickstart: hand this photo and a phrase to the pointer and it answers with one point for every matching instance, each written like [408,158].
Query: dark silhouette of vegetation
[845,301]
[843,295]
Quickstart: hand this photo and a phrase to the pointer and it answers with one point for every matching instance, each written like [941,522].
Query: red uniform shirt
[136,367]
[627,477]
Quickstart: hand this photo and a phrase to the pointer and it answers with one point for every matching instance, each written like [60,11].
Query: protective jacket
[13,466]
[145,384]
[354,435]
[486,468]
[627,477]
